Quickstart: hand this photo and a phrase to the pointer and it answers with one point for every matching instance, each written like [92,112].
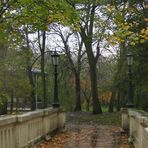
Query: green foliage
[127,20]
[130,24]
[37,15]
[66,77]
[104,108]
[104,119]
[3,98]
[130,21]
[12,74]
[41,13]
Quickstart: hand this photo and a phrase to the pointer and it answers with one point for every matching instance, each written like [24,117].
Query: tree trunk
[3,108]
[87,37]
[77,92]
[42,63]
[92,60]
[94,90]
[118,101]
[43,81]
[32,93]
[12,102]
[17,105]
[111,103]
[87,107]
[29,72]
[87,98]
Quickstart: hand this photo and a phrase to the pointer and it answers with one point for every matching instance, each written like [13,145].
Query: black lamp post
[130,85]
[55,60]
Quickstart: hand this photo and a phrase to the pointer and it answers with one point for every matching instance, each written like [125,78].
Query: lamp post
[55,60]
[130,85]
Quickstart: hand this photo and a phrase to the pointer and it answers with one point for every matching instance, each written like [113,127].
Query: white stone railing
[18,131]
[136,122]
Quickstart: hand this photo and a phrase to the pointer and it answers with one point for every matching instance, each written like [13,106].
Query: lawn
[103,119]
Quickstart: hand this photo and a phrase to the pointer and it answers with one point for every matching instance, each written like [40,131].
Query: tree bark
[32,93]
[87,107]
[111,103]
[12,101]
[42,50]
[3,108]
[94,90]
[118,102]
[92,60]
[77,92]
[29,72]
[87,37]
[76,69]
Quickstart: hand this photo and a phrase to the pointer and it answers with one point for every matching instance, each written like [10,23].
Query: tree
[13,78]
[42,46]
[42,20]
[24,17]
[94,28]
[72,47]
[87,34]
[86,88]
[129,18]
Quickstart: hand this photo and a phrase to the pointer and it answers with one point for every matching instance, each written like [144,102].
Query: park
[73,74]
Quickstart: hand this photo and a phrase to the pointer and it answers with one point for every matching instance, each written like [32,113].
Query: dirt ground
[87,135]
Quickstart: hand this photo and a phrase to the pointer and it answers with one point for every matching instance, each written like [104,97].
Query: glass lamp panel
[129,59]
[55,60]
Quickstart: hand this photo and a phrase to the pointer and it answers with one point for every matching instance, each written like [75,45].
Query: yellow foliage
[105,97]
[126,27]
[142,41]
[142,31]
[132,43]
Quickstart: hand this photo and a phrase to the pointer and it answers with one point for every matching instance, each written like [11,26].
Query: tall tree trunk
[118,101]
[76,69]
[87,37]
[12,101]
[87,105]
[87,98]
[77,92]
[32,93]
[17,104]
[94,90]
[29,72]
[111,103]
[42,63]
[92,60]
[43,81]
[3,108]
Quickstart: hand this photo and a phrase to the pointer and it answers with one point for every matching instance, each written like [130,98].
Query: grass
[104,109]
[102,119]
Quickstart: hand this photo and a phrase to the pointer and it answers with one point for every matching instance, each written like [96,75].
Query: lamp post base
[56,105]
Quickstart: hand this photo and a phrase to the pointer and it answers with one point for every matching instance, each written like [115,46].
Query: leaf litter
[86,135]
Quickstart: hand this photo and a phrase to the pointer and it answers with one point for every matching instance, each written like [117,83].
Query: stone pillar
[124,119]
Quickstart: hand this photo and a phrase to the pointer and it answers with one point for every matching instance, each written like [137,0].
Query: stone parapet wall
[18,131]
[136,122]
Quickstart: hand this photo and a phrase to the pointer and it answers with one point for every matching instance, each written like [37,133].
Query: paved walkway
[88,135]
[95,136]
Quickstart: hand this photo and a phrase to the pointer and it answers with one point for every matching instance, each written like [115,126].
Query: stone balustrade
[136,122]
[18,131]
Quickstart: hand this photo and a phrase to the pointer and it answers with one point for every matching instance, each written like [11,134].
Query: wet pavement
[95,136]
[88,135]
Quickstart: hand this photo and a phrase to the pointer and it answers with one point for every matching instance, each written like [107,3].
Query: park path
[95,136]
[88,135]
